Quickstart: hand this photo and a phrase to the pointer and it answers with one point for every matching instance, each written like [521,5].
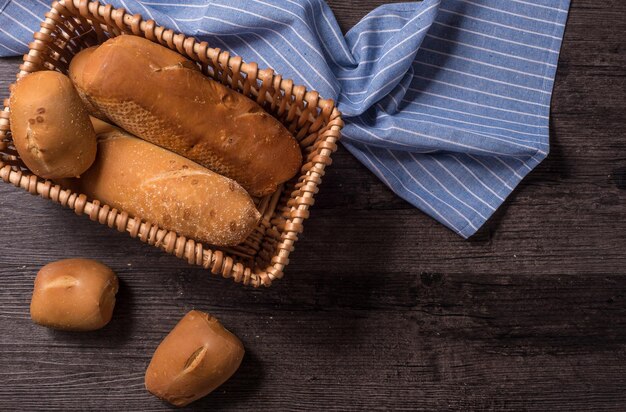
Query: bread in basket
[72,25]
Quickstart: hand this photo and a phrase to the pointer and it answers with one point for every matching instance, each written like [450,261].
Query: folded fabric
[446,101]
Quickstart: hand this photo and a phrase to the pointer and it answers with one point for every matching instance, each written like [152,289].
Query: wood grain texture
[530,314]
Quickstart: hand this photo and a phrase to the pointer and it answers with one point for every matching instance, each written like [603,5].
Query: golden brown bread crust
[162,187]
[102,127]
[74,294]
[196,357]
[77,68]
[50,126]
[158,95]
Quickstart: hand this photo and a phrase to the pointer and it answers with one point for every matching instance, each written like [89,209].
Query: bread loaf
[74,294]
[160,96]
[159,186]
[50,126]
[196,357]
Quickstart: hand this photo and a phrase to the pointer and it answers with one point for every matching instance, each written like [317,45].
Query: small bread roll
[74,294]
[50,126]
[196,357]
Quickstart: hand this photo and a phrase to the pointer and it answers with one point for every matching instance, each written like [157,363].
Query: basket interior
[72,25]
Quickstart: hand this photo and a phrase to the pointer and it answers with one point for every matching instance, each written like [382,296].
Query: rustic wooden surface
[381,306]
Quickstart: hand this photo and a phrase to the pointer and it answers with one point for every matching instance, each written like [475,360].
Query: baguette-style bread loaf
[162,187]
[160,96]
[50,126]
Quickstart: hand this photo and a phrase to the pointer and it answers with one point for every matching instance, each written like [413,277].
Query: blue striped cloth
[446,101]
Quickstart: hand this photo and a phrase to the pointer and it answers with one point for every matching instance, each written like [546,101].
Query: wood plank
[400,341]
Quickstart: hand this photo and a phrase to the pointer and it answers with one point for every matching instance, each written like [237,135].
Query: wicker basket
[72,25]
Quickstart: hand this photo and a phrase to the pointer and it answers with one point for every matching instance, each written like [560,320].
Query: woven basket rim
[305,102]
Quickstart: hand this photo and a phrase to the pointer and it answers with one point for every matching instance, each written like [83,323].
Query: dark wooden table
[381,306]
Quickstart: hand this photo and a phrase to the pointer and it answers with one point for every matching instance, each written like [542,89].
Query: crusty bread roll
[162,187]
[160,96]
[50,126]
[196,357]
[74,294]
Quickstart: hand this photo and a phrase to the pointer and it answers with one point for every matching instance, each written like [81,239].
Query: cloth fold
[446,101]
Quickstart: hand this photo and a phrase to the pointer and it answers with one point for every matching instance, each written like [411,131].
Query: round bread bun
[74,294]
[50,126]
[196,357]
